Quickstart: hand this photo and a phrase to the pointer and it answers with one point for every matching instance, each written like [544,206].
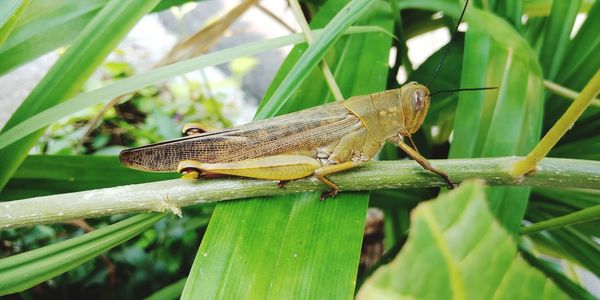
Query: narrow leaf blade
[22,271]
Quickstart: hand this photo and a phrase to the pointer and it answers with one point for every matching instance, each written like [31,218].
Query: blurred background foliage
[557,41]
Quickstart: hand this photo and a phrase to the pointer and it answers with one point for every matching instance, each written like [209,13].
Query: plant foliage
[465,244]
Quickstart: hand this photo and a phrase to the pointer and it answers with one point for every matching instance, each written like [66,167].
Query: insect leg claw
[451,185]
[281,184]
[329,193]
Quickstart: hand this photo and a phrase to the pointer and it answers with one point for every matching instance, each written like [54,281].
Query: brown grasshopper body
[318,141]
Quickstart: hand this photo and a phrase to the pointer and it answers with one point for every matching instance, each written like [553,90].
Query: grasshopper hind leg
[277,167]
[320,174]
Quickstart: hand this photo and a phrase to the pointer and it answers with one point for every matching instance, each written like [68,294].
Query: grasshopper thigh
[276,167]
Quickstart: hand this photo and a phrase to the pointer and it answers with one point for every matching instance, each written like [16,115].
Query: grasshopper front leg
[423,161]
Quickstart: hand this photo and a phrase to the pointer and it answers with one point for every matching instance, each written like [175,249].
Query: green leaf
[22,271]
[71,71]
[137,82]
[557,36]
[456,249]
[575,71]
[41,175]
[443,106]
[574,243]
[512,11]
[582,62]
[276,103]
[277,247]
[490,123]
[572,289]
[45,26]
[10,12]
[536,8]
[7,9]
[507,122]
[172,291]
[581,247]
[48,25]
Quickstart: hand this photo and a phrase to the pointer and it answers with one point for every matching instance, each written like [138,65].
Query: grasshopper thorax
[389,113]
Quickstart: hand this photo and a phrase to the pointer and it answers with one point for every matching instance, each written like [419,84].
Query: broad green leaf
[71,71]
[495,123]
[507,122]
[278,247]
[10,12]
[25,270]
[456,249]
[577,242]
[137,82]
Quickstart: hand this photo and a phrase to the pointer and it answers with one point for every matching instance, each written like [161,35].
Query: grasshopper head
[415,103]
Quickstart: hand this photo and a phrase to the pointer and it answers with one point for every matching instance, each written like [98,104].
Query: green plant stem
[566,92]
[170,195]
[584,215]
[559,129]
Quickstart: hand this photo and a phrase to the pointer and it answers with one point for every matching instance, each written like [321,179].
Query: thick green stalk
[170,195]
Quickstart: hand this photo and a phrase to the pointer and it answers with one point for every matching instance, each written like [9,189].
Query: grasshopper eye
[417,100]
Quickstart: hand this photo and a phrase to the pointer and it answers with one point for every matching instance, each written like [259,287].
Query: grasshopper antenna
[439,66]
[465,89]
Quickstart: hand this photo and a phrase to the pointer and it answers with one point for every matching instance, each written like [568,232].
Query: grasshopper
[318,141]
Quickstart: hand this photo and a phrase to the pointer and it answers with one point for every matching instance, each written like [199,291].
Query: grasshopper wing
[305,130]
